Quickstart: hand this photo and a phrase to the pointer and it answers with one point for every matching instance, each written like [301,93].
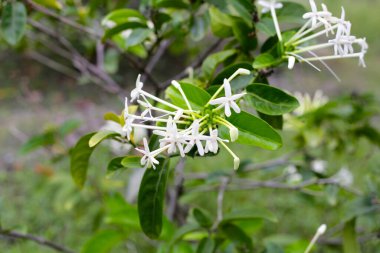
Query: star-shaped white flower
[212,142]
[229,100]
[148,160]
[128,127]
[269,4]
[195,139]
[316,16]
[135,93]
[171,138]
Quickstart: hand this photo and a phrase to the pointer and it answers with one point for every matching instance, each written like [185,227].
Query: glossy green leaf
[275,121]
[206,245]
[79,159]
[115,164]
[101,136]
[270,100]
[112,117]
[202,217]
[212,61]
[13,22]
[350,241]
[253,131]
[151,199]
[131,162]
[238,82]
[103,241]
[266,26]
[243,243]
[196,96]
[245,34]
[122,16]
[249,214]
[175,4]
[266,60]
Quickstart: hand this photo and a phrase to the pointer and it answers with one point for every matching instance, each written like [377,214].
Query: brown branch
[36,239]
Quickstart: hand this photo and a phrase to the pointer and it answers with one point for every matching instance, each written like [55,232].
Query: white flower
[291,62]
[171,138]
[229,100]
[135,93]
[195,139]
[316,16]
[128,127]
[319,166]
[344,177]
[308,103]
[212,142]
[269,4]
[148,160]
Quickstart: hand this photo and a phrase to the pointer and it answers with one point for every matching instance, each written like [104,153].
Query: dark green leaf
[202,217]
[350,241]
[122,27]
[206,245]
[212,61]
[121,16]
[266,60]
[175,4]
[151,199]
[241,240]
[221,24]
[253,131]
[79,159]
[239,82]
[101,136]
[13,22]
[245,34]
[42,140]
[199,26]
[184,230]
[276,122]
[266,25]
[196,96]
[270,100]
[115,164]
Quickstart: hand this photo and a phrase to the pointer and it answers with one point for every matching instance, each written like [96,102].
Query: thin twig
[155,59]
[36,239]
[173,210]
[220,199]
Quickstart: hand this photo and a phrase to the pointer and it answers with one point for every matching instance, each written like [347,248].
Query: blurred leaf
[197,97]
[266,60]
[253,131]
[13,22]
[273,248]
[266,26]
[212,61]
[122,16]
[112,117]
[184,230]
[101,136]
[249,214]
[68,127]
[122,27]
[103,242]
[176,4]
[350,241]
[270,100]
[115,164]
[221,24]
[50,3]
[42,140]
[131,162]
[241,240]
[79,159]
[360,206]
[111,61]
[202,217]
[245,34]
[151,199]
[121,213]
[206,245]
[137,36]
[199,26]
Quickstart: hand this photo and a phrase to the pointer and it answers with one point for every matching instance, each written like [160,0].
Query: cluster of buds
[319,23]
[181,130]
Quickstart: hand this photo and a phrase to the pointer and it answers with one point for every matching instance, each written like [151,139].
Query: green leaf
[277,122]
[131,162]
[115,164]
[245,34]
[101,136]
[221,23]
[199,26]
[266,60]
[238,82]
[151,199]
[13,22]
[68,127]
[42,140]
[184,230]
[241,240]
[350,241]
[202,217]
[103,241]
[253,131]
[270,100]
[175,4]
[206,245]
[273,248]
[50,3]
[122,27]
[112,117]
[121,16]
[79,159]
[266,25]
[196,96]
[212,61]
[249,214]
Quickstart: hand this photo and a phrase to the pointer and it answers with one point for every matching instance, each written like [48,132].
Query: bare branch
[173,210]
[36,239]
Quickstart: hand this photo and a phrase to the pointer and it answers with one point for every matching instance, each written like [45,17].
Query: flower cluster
[183,130]
[320,22]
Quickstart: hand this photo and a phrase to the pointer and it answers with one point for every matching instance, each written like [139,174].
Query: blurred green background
[37,195]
